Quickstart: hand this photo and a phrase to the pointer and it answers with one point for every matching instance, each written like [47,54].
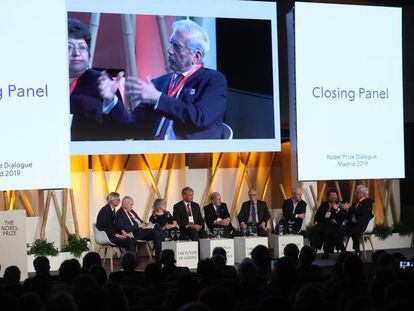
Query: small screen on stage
[349,96]
[173,76]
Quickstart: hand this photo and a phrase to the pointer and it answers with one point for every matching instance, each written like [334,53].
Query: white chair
[366,235]
[227,132]
[103,242]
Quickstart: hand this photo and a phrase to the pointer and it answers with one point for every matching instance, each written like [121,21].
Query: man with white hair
[294,210]
[187,103]
[359,215]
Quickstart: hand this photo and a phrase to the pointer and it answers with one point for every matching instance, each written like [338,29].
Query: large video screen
[173,76]
[34,95]
[349,97]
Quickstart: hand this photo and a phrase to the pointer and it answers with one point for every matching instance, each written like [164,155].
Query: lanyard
[173,92]
[73,85]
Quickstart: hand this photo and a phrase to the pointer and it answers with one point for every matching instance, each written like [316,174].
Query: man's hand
[190,225]
[262,225]
[346,206]
[121,236]
[108,87]
[142,225]
[333,221]
[225,222]
[141,90]
[301,216]
[198,227]
[243,225]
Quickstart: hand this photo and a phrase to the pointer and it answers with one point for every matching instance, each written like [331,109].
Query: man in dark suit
[254,213]
[189,102]
[217,215]
[188,216]
[106,221]
[129,221]
[94,96]
[359,215]
[328,219]
[294,210]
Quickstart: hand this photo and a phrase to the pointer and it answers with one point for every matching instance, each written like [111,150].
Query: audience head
[215,199]
[261,257]
[218,250]
[152,274]
[69,270]
[284,274]
[217,297]
[115,296]
[159,204]
[252,193]
[41,265]
[11,275]
[376,255]
[308,298]
[307,256]
[219,263]
[291,251]
[113,199]
[247,272]
[90,259]
[167,257]
[129,261]
[30,301]
[98,273]
[61,301]
[188,194]
[353,268]
[81,284]
[205,268]
[296,194]
[194,306]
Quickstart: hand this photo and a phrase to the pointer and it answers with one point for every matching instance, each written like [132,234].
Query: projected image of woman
[93,94]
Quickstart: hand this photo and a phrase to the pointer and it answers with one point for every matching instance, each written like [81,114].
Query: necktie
[253,213]
[188,209]
[164,127]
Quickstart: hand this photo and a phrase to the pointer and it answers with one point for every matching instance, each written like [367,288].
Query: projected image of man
[189,102]
[93,95]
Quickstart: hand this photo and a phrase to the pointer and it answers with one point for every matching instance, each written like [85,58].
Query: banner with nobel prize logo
[34,95]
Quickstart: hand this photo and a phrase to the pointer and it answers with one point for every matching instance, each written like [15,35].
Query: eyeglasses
[80,48]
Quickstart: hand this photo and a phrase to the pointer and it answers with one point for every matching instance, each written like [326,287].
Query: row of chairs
[103,242]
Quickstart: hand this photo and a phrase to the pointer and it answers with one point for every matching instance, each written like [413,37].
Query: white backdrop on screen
[349,92]
[201,8]
[34,102]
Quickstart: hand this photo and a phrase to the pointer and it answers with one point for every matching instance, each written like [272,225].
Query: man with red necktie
[359,215]
[189,102]
[188,216]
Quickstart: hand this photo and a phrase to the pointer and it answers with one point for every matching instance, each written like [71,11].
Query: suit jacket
[197,113]
[362,212]
[107,222]
[338,215]
[290,215]
[181,217]
[262,212]
[88,122]
[124,222]
[210,214]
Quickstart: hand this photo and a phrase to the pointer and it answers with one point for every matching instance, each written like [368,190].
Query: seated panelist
[188,216]
[131,223]
[294,210]
[217,215]
[254,213]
